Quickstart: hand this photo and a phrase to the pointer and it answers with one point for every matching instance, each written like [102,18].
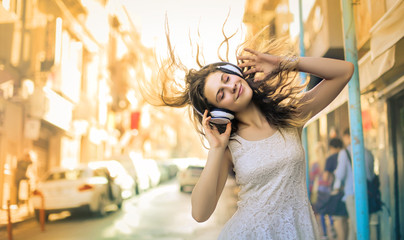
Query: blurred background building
[68,90]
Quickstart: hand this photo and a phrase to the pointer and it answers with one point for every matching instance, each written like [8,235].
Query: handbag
[331,204]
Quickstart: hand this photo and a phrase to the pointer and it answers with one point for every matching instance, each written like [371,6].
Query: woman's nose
[232,87]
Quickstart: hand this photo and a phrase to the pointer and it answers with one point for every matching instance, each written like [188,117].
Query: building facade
[70,78]
[379,32]
[58,84]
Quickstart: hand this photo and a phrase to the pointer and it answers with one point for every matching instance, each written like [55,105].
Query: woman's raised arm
[336,74]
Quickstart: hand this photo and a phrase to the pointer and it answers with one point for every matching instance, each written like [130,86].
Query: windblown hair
[277,96]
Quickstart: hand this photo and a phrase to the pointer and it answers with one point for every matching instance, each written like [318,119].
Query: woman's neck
[251,117]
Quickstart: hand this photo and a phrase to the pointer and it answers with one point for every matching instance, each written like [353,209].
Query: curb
[14,224]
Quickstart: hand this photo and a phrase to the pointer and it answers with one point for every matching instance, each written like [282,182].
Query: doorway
[396,105]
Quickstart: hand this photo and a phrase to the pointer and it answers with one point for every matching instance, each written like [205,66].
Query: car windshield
[115,169]
[73,174]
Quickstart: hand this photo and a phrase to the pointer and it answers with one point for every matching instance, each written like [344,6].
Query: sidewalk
[18,215]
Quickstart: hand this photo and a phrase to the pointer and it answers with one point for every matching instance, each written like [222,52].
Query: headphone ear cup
[219,121]
[221,116]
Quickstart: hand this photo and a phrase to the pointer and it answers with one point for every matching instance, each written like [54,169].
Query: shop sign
[59,111]
[134,120]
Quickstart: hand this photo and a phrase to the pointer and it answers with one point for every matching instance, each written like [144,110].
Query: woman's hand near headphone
[215,138]
[259,63]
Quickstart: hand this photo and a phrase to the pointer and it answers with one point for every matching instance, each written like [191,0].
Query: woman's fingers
[251,71]
[211,129]
[251,51]
[246,64]
[204,117]
[205,120]
[258,78]
[228,129]
[246,57]
[205,113]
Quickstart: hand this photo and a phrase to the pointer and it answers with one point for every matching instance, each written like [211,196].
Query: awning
[388,30]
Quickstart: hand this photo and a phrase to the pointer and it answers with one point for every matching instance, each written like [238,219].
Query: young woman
[265,110]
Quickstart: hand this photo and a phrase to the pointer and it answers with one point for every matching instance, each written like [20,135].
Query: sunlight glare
[185,17]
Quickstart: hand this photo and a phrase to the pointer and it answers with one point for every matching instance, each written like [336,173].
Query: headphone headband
[227,67]
[231,69]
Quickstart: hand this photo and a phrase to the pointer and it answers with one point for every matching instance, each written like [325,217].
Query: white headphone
[221,115]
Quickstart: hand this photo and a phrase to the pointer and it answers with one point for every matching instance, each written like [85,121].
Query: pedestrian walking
[344,178]
[319,187]
[252,115]
[21,173]
[338,219]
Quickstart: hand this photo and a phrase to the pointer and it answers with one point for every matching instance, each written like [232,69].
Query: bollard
[9,226]
[42,212]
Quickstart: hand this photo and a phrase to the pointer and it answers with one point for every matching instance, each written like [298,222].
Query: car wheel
[101,206]
[137,189]
[119,202]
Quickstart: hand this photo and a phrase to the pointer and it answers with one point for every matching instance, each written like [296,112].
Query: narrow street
[161,213]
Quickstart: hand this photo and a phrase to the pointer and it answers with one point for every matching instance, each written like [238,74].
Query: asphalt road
[162,213]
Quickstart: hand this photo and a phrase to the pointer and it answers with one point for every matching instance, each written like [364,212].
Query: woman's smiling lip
[240,90]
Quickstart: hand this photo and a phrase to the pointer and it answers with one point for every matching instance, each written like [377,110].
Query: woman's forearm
[204,196]
[326,68]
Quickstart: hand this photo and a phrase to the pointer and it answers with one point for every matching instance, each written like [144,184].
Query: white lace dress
[273,202]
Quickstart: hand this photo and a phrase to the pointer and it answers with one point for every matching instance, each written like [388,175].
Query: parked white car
[188,177]
[120,176]
[83,188]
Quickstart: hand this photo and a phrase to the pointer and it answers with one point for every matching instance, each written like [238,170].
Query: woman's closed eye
[221,94]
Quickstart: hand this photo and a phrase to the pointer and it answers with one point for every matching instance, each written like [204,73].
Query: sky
[184,17]
[187,16]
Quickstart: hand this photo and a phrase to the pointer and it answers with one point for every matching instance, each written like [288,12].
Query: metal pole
[355,118]
[9,222]
[303,77]
[42,212]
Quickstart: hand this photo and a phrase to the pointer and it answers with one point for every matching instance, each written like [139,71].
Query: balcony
[75,7]
[323,30]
